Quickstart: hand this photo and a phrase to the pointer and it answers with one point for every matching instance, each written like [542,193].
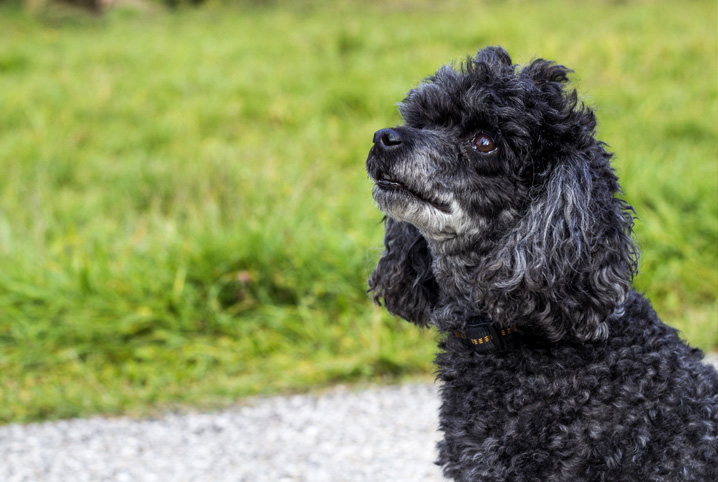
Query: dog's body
[504,231]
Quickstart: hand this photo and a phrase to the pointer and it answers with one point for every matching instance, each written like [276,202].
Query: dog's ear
[403,277]
[568,264]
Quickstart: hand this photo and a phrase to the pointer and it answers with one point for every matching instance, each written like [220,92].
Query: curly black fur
[501,204]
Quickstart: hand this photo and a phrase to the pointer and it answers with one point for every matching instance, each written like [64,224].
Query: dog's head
[499,164]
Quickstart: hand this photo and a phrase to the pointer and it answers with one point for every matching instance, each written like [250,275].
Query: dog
[506,232]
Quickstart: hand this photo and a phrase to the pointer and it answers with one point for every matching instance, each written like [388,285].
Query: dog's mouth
[392,185]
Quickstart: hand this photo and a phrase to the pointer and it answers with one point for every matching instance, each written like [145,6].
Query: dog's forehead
[453,97]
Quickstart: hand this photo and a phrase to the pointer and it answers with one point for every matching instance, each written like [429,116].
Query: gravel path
[379,434]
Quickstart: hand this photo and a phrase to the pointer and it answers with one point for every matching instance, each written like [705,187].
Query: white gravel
[378,434]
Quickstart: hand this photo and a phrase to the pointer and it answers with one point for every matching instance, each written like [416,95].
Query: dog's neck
[459,312]
[455,273]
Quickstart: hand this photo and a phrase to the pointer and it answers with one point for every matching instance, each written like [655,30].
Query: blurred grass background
[185,218]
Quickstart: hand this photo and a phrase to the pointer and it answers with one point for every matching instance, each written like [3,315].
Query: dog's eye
[483,143]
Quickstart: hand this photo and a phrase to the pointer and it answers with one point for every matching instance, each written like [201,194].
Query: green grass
[184,213]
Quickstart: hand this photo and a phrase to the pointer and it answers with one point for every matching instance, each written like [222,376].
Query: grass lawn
[184,213]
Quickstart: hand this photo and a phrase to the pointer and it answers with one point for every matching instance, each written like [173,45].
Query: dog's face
[446,182]
[464,163]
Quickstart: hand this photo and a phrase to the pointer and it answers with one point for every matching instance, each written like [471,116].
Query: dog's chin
[400,190]
[432,218]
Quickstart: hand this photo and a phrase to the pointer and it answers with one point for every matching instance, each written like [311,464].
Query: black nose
[387,139]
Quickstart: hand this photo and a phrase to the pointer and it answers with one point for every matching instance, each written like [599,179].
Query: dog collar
[486,338]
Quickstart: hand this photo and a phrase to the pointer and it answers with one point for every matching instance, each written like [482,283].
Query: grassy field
[184,213]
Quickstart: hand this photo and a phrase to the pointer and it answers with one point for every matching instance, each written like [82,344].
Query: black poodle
[504,231]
